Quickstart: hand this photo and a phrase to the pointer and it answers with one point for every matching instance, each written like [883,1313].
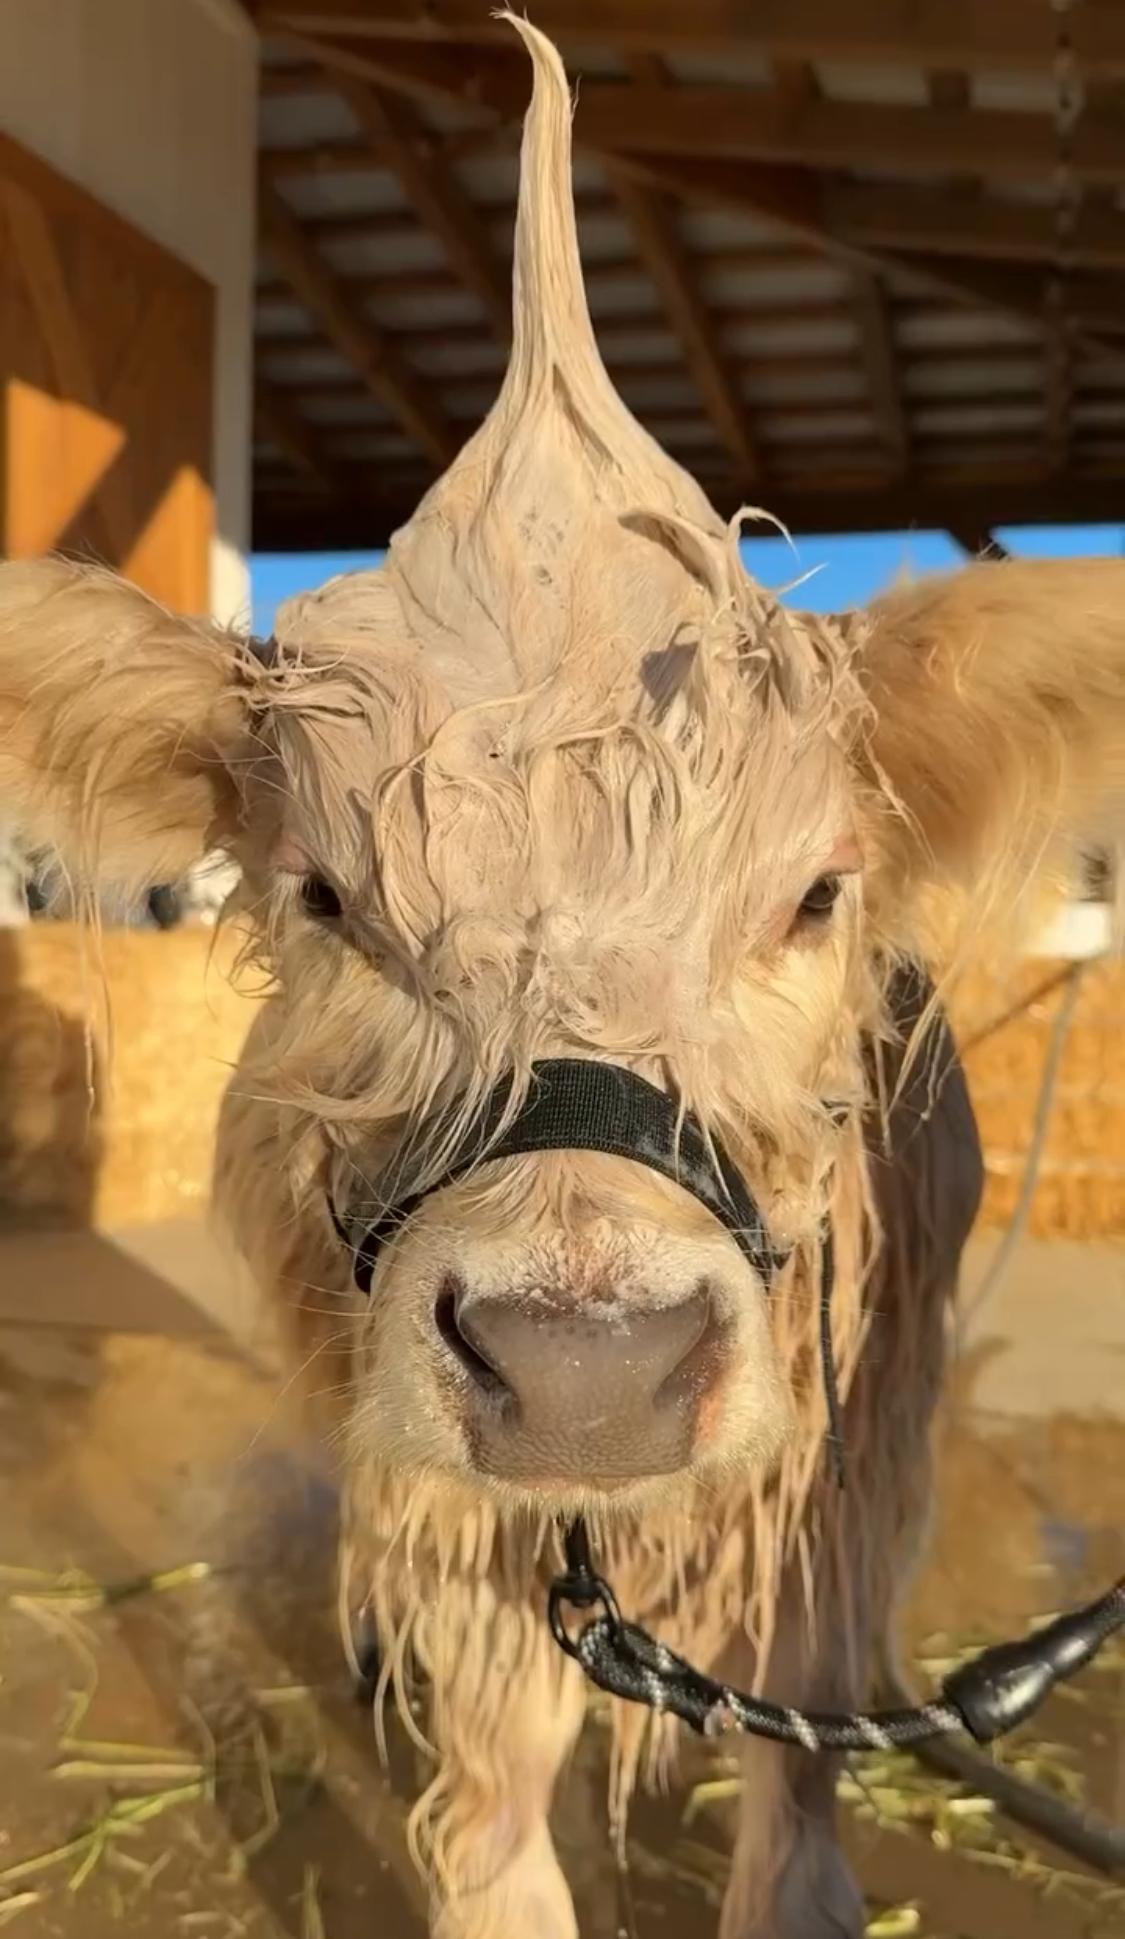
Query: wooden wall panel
[106,386]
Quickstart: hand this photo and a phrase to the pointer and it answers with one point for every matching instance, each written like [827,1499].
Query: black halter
[574,1105]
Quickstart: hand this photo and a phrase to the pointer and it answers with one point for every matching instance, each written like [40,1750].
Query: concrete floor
[141,1430]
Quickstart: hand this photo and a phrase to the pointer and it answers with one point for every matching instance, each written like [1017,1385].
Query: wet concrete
[137,1437]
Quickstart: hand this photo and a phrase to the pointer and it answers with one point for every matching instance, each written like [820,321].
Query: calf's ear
[121,724]
[996,747]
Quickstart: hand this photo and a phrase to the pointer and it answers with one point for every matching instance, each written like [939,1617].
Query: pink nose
[555,1391]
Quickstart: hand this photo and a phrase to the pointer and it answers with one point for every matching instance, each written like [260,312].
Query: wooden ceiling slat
[881,366]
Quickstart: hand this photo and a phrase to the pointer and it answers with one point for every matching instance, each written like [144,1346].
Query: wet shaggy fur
[570,774]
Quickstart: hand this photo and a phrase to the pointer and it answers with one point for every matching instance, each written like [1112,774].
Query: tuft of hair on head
[555,359]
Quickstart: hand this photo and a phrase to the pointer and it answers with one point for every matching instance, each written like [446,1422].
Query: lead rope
[988,1696]
[994,1693]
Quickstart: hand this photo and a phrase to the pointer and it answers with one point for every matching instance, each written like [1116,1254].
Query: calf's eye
[319,899]
[821,899]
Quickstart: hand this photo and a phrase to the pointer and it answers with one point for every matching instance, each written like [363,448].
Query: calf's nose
[558,1391]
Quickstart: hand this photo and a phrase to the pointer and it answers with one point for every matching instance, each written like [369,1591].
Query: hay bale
[83,1142]
[1006,1024]
[114,1134]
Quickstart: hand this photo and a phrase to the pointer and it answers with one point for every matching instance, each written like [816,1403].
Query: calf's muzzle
[552,1390]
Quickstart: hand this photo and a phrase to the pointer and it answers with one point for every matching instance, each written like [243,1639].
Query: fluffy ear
[997,746]
[120,724]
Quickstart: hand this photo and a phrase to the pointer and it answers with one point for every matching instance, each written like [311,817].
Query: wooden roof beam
[395,131]
[1007,34]
[765,127]
[948,87]
[276,419]
[664,257]
[881,367]
[1059,372]
[356,157]
[979,541]
[891,217]
[365,348]
[662,253]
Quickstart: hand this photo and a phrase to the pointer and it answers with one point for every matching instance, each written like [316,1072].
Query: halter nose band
[577,1105]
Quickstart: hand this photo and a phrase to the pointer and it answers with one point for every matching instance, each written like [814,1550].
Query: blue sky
[844,571]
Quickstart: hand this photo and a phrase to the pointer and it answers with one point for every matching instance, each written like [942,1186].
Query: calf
[560,781]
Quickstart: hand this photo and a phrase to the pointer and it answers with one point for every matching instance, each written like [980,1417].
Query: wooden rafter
[782,153]
[354,157]
[397,134]
[613,331]
[979,541]
[1004,287]
[374,358]
[653,230]
[881,366]
[1059,388]
[277,419]
[892,217]
[664,257]
[1005,34]
[764,127]
[605,273]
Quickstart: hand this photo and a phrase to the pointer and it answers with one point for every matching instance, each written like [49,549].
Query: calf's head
[559,780]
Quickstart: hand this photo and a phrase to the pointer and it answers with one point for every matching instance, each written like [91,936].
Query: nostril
[700,1355]
[480,1370]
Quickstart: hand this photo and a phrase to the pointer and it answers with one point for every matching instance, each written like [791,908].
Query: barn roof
[863,265]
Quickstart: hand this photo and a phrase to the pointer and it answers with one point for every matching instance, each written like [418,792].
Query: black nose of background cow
[568,1392]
